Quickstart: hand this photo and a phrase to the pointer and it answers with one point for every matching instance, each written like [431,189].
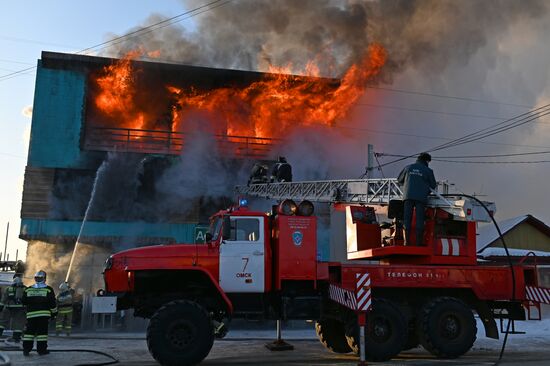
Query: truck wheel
[332,335]
[180,333]
[385,332]
[447,327]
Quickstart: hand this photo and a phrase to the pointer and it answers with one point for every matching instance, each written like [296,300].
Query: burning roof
[138,95]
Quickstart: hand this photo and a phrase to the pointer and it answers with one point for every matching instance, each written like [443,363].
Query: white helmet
[40,277]
[64,286]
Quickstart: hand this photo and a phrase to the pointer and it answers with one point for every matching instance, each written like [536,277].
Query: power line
[432,137]
[25,40]
[449,97]
[493,162]
[513,122]
[471,156]
[15,62]
[9,75]
[147,31]
[428,111]
[124,36]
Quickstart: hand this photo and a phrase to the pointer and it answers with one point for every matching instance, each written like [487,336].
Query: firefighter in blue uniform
[41,306]
[12,309]
[417,180]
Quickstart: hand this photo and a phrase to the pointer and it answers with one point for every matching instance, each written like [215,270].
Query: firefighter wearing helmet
[64,308]
[417,180]
[41,306]
[12,309]
[282,171]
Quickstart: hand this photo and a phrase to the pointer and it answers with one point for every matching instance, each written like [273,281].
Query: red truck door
[242,256]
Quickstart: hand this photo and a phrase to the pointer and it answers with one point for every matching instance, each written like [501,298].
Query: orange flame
[274,105]
[270,107]
[117,92]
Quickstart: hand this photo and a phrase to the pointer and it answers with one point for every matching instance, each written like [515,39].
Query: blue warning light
[243,202]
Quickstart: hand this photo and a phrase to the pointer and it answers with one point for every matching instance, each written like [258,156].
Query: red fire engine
[384,299]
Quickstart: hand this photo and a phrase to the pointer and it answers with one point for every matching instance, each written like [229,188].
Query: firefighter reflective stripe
[65,310]
[28,337]
[538,294]
[362,291]
[54,310]
[449,247]
[38,313]
[33,291]
[42,338]
[342,296]
[14,306]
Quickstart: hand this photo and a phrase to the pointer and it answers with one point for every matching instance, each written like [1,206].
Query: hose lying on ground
[112,362]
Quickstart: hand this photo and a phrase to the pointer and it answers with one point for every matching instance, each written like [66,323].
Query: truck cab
[253,265]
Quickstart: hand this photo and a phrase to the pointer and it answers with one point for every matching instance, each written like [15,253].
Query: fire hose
[509,263]
[6,360]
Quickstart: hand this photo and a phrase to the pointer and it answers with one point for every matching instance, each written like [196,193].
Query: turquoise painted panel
[59,99]
[182,233]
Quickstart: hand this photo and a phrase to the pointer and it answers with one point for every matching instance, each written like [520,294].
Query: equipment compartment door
[242,257]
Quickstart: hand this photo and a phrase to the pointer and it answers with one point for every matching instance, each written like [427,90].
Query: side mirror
[208,237]
[226,233]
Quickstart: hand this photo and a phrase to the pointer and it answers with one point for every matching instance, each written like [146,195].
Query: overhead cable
[143,30]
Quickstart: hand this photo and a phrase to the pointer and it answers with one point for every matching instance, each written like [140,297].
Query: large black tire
[332,335]
[447,327]
[180,334]
[385,332]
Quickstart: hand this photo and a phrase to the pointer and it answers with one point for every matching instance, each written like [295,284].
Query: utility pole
[6,245]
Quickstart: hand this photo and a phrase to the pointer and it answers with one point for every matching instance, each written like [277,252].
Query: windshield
[215,227]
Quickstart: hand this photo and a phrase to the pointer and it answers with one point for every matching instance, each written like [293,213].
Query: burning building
[126,153]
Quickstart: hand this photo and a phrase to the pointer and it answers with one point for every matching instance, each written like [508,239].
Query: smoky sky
[483,50]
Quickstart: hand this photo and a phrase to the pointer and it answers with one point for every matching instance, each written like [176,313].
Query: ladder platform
[388,251]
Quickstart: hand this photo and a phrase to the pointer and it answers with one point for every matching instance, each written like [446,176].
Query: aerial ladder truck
[383,299]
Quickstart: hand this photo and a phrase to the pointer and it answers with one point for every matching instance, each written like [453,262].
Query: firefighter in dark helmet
[417,180]
[41,306]
[282,171]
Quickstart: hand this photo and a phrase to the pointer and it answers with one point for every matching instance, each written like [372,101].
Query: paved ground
[245,348]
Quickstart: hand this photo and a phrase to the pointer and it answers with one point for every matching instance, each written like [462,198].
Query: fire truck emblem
[297,238]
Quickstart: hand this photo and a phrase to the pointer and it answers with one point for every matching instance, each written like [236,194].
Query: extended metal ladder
[365,192]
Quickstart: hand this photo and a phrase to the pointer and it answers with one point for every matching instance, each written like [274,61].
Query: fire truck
[384,298]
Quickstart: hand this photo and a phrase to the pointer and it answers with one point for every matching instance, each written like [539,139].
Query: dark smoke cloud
[431,35]
[489,50]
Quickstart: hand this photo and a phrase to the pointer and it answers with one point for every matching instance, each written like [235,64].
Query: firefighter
[64,309]
[282,171]
[41,306]
[13,310]
[258,174]
[417,180]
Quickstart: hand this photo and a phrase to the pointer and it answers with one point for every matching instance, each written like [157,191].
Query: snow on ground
[537,336]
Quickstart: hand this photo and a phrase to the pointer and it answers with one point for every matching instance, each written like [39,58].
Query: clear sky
[26,29]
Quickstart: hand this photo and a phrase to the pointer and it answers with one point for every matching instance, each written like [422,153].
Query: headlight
[287,208]
[305,208]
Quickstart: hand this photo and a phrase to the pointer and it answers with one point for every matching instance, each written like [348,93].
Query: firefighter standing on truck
[64,309]
[417,180]
[41,306]
[282,171]
[13,309]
